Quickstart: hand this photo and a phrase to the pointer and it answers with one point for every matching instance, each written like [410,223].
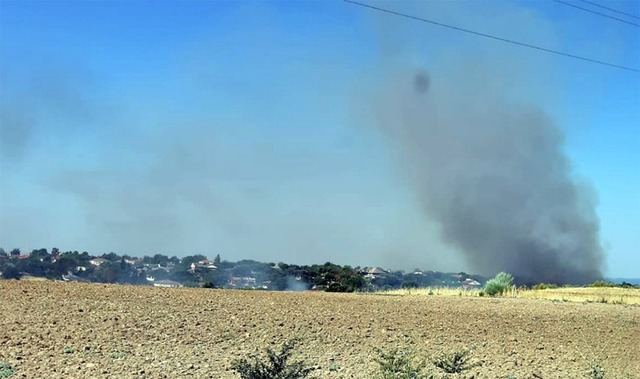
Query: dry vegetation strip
[610,295]
[69,330]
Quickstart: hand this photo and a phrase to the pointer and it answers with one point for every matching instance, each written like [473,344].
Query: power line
[597,13]
[513,42]
[609,9]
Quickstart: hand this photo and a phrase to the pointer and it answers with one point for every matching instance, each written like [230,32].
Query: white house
[98,261]
[374,272]
[470,283]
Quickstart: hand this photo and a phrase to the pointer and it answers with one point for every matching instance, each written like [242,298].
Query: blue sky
[239,128]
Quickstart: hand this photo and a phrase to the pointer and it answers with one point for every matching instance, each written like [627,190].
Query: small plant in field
[455,362]
[400,364]
[68,350]
[596,371]
[6,370]
[333,367]
[276,365]
[118,355]
[499,284]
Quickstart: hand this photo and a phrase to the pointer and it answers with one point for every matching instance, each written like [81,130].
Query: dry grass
[610,295]
[441,291]
[431,291]
[33,278]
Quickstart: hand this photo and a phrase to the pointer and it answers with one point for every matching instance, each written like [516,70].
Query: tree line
[197,271]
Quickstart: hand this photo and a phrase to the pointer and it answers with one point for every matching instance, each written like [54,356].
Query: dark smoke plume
[493,175]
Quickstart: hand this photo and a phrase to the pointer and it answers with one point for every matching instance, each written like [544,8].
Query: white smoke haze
[295,284]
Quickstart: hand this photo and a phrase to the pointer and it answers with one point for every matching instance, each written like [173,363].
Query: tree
[65,263]
[113,257]
[217,277]
[15,252]
[109,272]
[40,254]
[160,259]
[189,259]
[11,272]
[217,260]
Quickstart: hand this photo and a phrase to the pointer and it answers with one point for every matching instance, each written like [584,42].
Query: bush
[399,364]
[6,370]
[11,272]
[596,371]
[498,284]
[544,286]
[277,365]
[455,362]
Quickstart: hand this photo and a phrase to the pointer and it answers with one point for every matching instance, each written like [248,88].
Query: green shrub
[276,366]
[544,286]
[456,362]
[118,354]
[498,284]
[399,364]
[6,370]
[596,371]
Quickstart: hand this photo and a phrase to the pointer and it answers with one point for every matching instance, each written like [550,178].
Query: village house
[470,284]
[98,261]
[131,261]
[374,272]
[202,265]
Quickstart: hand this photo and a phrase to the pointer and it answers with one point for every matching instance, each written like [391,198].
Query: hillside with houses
[200,271]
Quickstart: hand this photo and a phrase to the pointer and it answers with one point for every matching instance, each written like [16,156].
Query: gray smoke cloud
[492,173]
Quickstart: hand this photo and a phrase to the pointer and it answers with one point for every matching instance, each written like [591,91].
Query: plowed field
[69,330]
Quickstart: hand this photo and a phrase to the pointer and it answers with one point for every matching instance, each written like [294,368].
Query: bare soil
[69,330]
